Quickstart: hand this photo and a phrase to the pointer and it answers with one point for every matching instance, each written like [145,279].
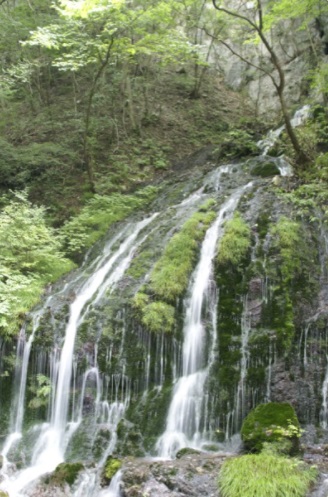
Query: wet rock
[193,475]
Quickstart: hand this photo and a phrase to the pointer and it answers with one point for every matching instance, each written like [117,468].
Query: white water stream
[183,426]
[50,447]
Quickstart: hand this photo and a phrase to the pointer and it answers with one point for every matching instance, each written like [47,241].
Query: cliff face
[299,46]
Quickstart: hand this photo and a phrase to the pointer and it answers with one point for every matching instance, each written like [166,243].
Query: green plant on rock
[65,473]
[235,243]
[170,276]
[112,466]
[156,316]
[265,474]
[287,252]
[271,423]
[287,238]
[41,391]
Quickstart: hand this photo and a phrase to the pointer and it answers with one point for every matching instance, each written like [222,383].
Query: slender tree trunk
[279,83]
[87,158]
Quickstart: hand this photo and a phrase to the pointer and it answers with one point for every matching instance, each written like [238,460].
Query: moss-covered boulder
[274,423]
[264,169]
[65,473]
[186,451]
[3,494]
[111,467]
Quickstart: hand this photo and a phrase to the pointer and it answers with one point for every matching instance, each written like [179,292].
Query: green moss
[65,473]
[159,316]
[187,451]
[139,264]
[265,169]
[236,241]
[287,238]
[170,276]
[112,466]
[272,422]
[156,316]
[266,475]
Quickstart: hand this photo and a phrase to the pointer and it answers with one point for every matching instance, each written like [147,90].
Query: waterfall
[324,408]
[297,120]
[183,425]
[50,447]
[241,391]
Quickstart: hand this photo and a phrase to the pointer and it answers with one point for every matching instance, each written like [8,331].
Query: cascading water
[50,447]
[183,427]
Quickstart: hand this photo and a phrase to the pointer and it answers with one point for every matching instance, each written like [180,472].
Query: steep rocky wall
[299,50]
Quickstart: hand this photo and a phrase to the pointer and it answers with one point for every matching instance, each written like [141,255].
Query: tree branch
[243,59]
[235,14]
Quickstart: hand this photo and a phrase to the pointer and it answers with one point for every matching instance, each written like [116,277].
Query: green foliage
[41,391]
[170,276]
[111,467]
[156,316]
[19,166]
[30,257]
[272,422]
[266,475]
[236,241]
[99,213]
[236,143]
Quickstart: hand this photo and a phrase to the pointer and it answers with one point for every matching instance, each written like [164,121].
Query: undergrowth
[265,474]
[99,213]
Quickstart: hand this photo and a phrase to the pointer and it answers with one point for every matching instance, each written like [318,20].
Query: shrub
[30,258]
[265,474]
[100,212]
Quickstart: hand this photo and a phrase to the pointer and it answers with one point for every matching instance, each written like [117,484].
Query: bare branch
[243,59]
[237,15]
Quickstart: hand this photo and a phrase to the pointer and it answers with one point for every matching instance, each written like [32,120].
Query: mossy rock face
[112,466]
[3,494]
[65,473]
[274,423]
[186,451]
[265,169]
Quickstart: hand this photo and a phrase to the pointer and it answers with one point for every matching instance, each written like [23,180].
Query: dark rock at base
[193,475]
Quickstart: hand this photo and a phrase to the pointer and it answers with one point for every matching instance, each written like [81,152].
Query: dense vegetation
[266,474]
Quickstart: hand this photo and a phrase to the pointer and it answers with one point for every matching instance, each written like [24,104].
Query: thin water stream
[183,426]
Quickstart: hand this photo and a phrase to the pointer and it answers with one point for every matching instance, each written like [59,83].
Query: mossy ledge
[155,305]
